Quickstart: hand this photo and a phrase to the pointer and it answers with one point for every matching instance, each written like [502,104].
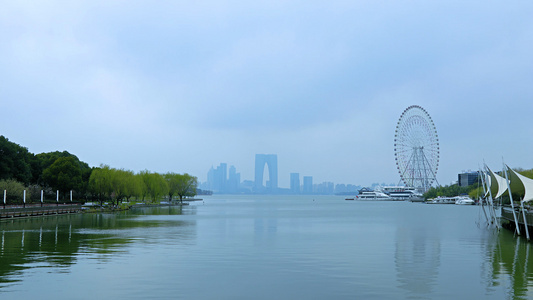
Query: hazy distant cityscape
[221,180]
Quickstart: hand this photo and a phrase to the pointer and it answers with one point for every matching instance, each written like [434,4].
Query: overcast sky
[185,85]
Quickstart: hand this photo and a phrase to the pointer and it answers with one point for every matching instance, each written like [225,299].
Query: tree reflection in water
[512,263]
[56,241]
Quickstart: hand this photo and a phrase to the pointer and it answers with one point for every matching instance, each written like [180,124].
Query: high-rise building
[234,180]
[271,161]
[217,179]
[468,178]
[295,183]
[308,185]
[325,188]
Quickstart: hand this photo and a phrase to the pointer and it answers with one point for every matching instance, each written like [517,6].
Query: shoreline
[36,210]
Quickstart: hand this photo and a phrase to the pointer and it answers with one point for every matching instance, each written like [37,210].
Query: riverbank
[39,210]
[21,211]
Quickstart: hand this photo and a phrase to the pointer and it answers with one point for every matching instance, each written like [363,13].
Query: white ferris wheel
[416,148]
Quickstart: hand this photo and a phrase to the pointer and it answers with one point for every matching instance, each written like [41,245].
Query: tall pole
[24,198]
[42,198]
[525,220]
[70,195]
[491,199]
[482,198]
[517,228]
[5,198]
[57,197]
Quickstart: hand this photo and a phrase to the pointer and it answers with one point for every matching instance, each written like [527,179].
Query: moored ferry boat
[464,200]
[403,193]
[441,200]
[373,196]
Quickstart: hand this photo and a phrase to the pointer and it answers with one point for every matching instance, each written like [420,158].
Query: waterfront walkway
[30,210]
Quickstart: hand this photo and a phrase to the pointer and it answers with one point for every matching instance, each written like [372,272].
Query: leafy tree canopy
[186,185]
[64,174]
[15,161]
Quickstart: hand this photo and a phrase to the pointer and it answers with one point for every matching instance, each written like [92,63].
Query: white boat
[373,196]
[403,193]
[459,200]
[464,200]
[441,200]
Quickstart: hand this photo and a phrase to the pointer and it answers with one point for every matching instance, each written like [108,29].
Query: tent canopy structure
[498,184]
[521,185]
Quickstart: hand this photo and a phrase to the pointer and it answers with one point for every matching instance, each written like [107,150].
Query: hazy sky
[185,85]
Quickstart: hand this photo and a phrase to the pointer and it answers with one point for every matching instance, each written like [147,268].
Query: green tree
[45,160]
[156,185]
[134,185]
[124,184]
[186,186]
[64,174]
[14,191]
[144,179]
[173,184]
[100,183]
[15,161]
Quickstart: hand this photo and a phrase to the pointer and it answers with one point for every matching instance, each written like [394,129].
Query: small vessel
[442,200]
[464,200]
[459,200]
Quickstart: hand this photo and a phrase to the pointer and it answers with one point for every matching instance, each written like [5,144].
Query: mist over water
[265,247]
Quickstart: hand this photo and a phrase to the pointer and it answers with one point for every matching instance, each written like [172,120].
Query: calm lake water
[266,247]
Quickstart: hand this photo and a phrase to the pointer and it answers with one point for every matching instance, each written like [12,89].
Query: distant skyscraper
[466,179]
[308,185]
[217,178]
[234,180]
[295,183]
[271,161]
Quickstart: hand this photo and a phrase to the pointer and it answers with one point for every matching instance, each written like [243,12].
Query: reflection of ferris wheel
[416,148]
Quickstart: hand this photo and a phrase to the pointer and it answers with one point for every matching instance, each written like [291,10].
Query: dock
[20,211]
[509,222]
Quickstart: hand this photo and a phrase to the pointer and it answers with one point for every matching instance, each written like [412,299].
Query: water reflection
[417,259]
[57,241]
[512,264]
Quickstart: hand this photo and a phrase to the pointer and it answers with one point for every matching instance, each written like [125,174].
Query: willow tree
[173,184]
[186,185]
[121,182]
[134,186]
[155,184]
[100,182]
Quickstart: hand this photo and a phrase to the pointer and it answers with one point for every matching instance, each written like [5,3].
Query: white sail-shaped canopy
[521,185]
[498,185]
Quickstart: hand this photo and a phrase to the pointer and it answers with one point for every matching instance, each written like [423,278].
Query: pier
[509,222]
[20,211]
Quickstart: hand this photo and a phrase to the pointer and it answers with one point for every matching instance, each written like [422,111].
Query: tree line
[117,185]
[22,170]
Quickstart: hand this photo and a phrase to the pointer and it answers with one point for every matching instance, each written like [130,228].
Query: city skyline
[220,180]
